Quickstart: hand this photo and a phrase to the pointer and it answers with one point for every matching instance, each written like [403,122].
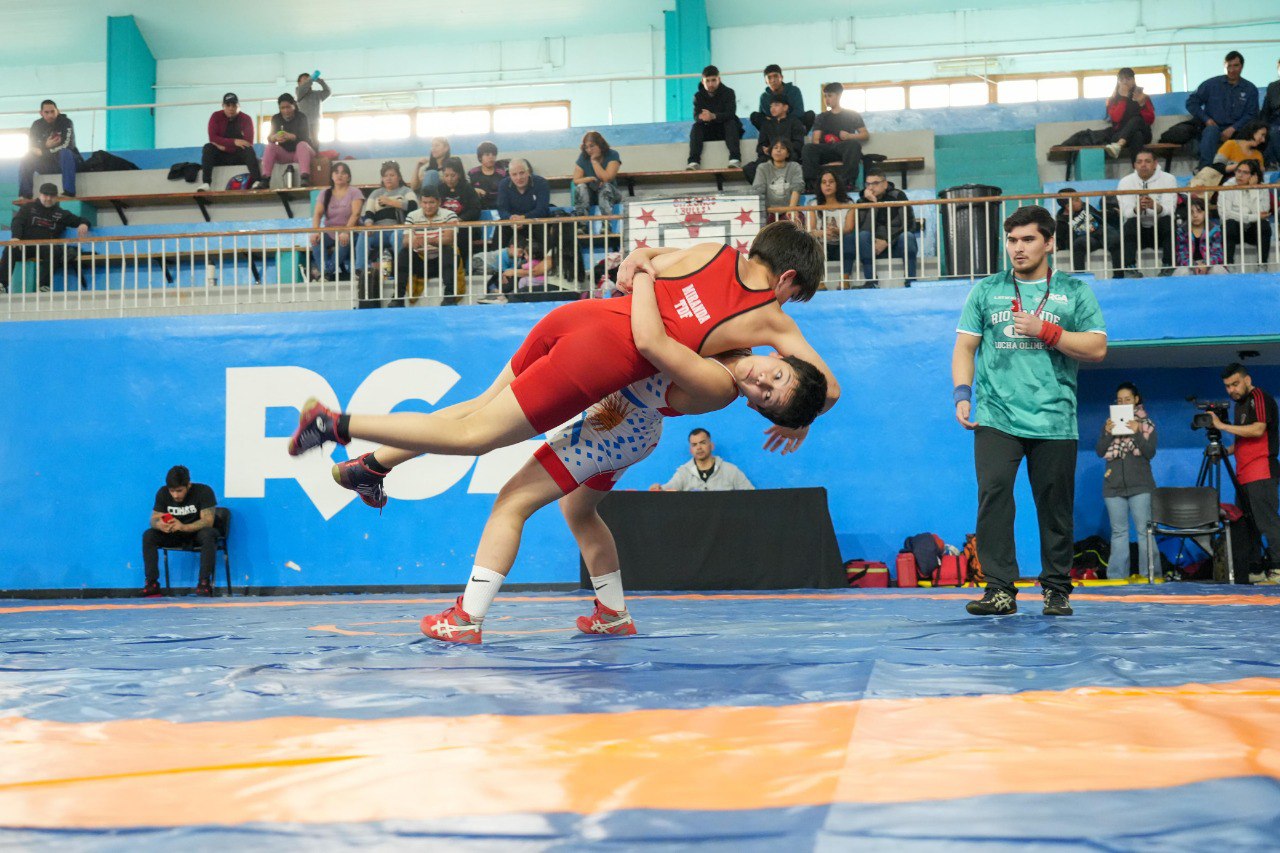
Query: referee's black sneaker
[994,602]
[1057,603]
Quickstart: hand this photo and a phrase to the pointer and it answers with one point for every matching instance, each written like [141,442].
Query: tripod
[1211,467]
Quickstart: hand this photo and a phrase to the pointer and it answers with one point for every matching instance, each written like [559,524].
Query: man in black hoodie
[780,125]
[43,219]
[52,149]
[715,116]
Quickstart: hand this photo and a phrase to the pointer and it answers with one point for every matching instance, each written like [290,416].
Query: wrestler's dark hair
[177,477]
[1032,214]
[808,399]
[784,245]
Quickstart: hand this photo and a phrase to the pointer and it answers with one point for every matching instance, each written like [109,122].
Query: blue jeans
[375,242]
[906,244]
[1119,510]
[65,161]
[330,257]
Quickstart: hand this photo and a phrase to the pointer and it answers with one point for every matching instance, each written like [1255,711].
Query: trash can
[972,232]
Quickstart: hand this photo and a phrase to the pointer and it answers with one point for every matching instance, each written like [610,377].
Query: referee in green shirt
[1020,339]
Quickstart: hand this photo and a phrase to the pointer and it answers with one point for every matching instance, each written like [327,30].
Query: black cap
[48,189]
[230,98]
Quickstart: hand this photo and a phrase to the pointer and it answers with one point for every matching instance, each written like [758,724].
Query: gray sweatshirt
[775,185]
[725,477]
[309,101]
[1128,461]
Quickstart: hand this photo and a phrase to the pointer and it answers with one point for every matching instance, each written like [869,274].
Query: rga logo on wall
[253,457]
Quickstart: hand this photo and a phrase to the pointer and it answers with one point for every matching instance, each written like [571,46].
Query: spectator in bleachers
[1131,114]
[1248,144]
[522,194]
[779,124]
[456,193]
[1222,105]
[427,174]
[1270,116]
[387,206]
[428,251]
[1146,220]
[779,182]
[487,177]
[310,100]
[775,86]
[524,268]
[289,142]
[1198,243]
[838,134]
[1081,230]
[51,149]
[715,117]
[1246,215]
[595,175]
[230,142]
[884,232]
[339,206]
[42,219]
[836,226]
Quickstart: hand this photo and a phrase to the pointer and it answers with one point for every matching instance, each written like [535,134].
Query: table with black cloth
[759,539]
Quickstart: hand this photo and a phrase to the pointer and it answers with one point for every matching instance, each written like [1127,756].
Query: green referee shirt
[1022,386]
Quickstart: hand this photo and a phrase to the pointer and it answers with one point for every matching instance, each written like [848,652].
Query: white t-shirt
[420,219]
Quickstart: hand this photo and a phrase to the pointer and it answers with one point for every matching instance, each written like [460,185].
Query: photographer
[1127,484]
[1257,470]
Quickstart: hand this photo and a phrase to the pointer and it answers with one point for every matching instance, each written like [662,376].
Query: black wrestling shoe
[356,475]
[1057,603]
[994,602]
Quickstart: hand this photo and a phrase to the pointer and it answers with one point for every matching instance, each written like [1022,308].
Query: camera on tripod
[1203,419]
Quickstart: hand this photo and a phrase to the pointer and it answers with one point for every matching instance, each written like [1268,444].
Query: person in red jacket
[1131,114]
[230,142]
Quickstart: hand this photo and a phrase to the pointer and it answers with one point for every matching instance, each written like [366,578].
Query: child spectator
[1198,244]
[487,177]
[780,181]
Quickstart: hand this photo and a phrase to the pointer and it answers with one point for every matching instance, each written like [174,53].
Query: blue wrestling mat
[837,720]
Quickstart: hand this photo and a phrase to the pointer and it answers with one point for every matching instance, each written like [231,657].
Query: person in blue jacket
[1222,105]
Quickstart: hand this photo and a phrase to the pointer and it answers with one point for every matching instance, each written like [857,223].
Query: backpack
[1182,132]
[975,576]
[105,161]
[928,549]
[1091,553]
[239,182]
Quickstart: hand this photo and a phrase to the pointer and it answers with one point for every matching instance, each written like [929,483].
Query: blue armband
[962,394]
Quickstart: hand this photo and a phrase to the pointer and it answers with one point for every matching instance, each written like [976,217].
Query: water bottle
[386,264]
[315,75]
[290,175]
[210,274]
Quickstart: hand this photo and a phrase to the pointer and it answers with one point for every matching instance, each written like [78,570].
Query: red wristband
[1050,333]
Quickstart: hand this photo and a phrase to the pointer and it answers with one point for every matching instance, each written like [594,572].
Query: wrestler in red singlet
[582,352]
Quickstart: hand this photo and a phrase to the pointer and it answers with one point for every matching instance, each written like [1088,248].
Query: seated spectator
[1146,220]
[838,134]
[1248,144]
[835,225]
[1198,243]
[456,193]
[779,124]
[230,142]
[310,100]
[1081,229]
[487,177]
[884,232]
[705,472]
[387,206]
[1246,215]
[1222,105]
[595,175]
[1270,116]
[339,206]
[1131,114]
[522,266]
[715,117]
[42,219]
[427,251]
[181,516]
[522,194]
[51,148]
[289,142]
[775,87]
[427,174]
[780,181]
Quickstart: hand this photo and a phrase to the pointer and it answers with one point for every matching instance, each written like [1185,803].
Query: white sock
[481,590]
[609,591]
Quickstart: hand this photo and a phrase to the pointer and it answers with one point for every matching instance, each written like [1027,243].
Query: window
[449,122]
[13,145]
[1057,89]
[854,99]
[424,124]
[521,119]
[973,90]
[1015,91]
[886,98]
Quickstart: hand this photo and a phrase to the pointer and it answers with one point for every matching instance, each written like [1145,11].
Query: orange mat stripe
[1265,600]
[306,769]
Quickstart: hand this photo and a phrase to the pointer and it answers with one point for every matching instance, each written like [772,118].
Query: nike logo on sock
[475,579]
[602,586]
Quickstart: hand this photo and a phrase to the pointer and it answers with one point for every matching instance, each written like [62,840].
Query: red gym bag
[866,573]
[908,576]
[952,571]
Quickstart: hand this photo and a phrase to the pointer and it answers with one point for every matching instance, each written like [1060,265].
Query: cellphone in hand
[167,518]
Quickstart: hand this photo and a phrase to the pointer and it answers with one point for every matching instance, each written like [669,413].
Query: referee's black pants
[1051,467]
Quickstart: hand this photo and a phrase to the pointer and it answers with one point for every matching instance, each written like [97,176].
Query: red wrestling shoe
[355,474]
[317,424]
[452,626]
[606,621]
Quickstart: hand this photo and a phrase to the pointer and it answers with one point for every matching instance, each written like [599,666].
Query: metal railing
[1106,234]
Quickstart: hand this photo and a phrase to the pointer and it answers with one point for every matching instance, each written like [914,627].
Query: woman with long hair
[427,174]
[1127,484]
[595,175]
[338,206]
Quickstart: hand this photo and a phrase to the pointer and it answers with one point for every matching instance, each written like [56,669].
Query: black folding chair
[221,526]
[1187,513]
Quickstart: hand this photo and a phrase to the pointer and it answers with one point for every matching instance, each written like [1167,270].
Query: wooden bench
[202,200]
[1070,153]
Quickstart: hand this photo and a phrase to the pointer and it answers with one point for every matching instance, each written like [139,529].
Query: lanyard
[1017,295]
